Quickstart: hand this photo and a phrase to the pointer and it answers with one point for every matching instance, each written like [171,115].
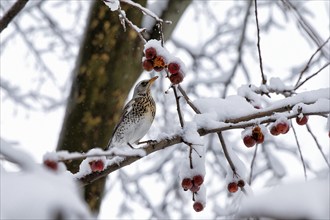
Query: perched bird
[137,116]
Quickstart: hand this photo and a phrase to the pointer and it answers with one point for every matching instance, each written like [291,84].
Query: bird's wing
[127,109]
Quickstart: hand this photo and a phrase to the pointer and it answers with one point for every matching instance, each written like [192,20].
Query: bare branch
[189,102]
[143,9]
[252,163]
[178,106]
[11,13]
[301,156]
[311,76]
[258,43]
[239,48]
[226,153]
[133,26]
[317,144]
[310,60]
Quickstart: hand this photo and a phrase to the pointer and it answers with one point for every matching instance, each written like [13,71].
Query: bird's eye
[144,83]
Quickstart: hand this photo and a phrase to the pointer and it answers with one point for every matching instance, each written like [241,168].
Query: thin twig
[317,144]
[11,13]
[314,74]
[133,26]
[310,60]
[222,141]
[226,153]
[189,102]
[190,157]
[258,43]
[178,106]
[143,9]
[239,49]
[306,26]
[252,163]
[301,156]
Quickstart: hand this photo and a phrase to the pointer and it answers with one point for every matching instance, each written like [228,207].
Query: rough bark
[107,67]
[108,64]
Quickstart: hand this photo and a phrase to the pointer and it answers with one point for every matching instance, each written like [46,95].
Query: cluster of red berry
[280,126]
[233,186]
[255,137]
[283,126]
[194,184]
[95,165]
[154,61]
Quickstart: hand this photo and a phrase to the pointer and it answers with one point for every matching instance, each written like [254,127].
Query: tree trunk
[108,64]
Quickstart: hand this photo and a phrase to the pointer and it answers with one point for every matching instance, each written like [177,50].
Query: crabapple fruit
[148,65]
[249,141]
[198,180]
[176,78]
[198,206]
[232,187]
[241,183]
[51,164]
[282,127]
[302,121]
[186,184]
[96,165]
[194,188]
[150,53]
[274,131]
[173,68]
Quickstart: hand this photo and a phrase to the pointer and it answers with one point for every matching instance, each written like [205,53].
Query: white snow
[305,200]
[200,196]
[37,193]
[157,7]
[112,4]
[231,107]
[197,150]
[276,84]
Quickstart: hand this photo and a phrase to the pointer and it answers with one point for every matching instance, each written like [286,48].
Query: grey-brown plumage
[137,116]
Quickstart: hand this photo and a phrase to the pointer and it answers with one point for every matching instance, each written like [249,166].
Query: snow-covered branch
[308,103]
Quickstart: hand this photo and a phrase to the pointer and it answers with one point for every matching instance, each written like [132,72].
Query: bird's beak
[152,80]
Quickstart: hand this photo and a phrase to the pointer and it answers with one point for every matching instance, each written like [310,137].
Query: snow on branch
[308,103]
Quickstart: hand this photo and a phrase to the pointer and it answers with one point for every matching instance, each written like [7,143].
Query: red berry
[150,53]
[51,164]
[194,188]
[257,135]
[173,68]
[198,206]
[186,184]
[302,121]
[96,165]
[159,63]
[249,141]
[274,131]
[241,183]
[282,127]
[198,180]
[232,187]
[148,65]
[176,78]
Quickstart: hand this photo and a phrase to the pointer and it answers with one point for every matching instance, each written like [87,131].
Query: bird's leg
[130,145]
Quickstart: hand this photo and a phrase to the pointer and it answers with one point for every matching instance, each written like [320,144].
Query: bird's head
[143,87]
